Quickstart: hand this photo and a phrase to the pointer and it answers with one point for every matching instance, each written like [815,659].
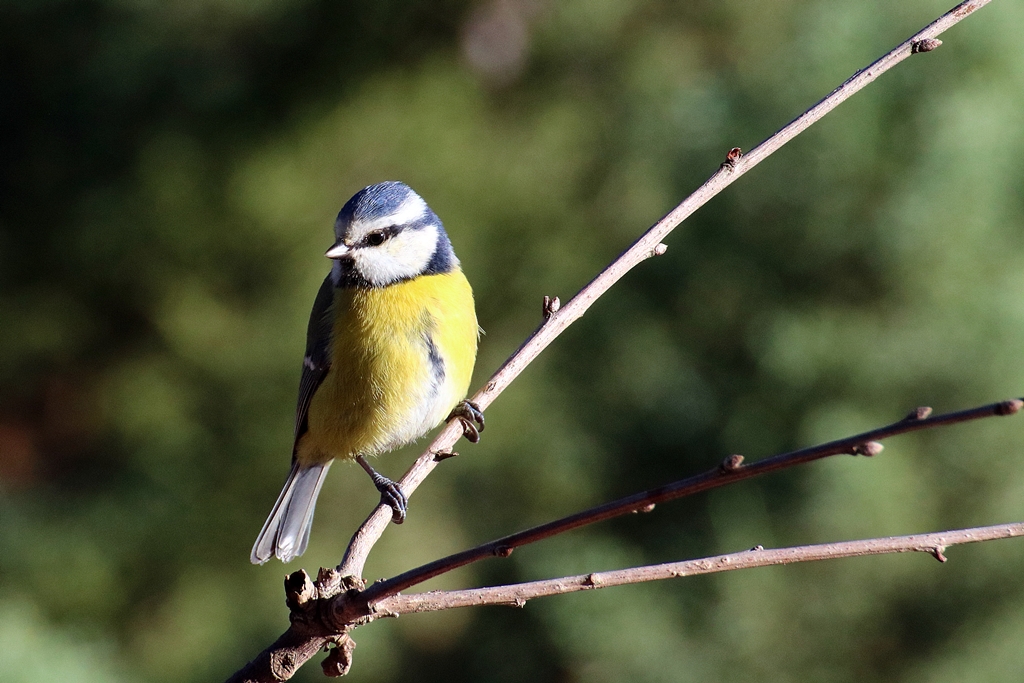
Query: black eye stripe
[376,238]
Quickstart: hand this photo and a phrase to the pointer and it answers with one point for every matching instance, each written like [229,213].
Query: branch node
[869,449]
[503,551]
[644,508]
[659,249]
[592,580]
[519,602]
[936,552]
[491,386]
[339,658]
[731,464]
[328,582]
[283,664]
[731,158]
[918,414]
[444,455]
[757,548]
[924,45]
[550,306]
[298,589]
[1009,407]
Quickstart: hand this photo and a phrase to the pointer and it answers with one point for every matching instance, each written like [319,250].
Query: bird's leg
[471,417]
[390,492]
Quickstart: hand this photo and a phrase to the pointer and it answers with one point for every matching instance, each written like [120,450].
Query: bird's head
[386,234]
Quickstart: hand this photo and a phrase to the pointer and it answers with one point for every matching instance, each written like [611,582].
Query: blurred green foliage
[170,173]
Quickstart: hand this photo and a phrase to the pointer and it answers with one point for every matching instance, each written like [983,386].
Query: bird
[390,349]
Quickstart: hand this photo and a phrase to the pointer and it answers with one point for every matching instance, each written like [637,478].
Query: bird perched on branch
[390,349]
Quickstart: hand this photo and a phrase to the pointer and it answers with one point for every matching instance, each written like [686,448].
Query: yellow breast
[401,358]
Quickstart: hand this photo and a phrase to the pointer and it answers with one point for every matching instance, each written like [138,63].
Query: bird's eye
[376,238]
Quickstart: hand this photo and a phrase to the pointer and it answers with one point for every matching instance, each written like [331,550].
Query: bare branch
[517,594]
[730,470]
[280,661]
[648,245]
[305,638]
[324,612]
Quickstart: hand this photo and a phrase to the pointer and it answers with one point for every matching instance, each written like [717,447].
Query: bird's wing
[317,360]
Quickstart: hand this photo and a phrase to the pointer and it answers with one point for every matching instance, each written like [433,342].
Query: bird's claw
[391,494]
[472,419]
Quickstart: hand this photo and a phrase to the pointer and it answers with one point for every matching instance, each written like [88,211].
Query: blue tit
[390,349]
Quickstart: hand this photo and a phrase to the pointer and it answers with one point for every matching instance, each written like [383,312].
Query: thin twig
[648,245]
[730,470]
[517,594]
[325,611]
[297,645]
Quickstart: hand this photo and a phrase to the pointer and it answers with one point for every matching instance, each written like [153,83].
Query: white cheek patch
[404,256]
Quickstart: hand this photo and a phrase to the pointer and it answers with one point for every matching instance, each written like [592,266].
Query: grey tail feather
[286,532]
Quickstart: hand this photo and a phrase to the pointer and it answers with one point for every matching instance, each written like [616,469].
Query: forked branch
[732,469]
[312,626]
[325,611]
[648,245]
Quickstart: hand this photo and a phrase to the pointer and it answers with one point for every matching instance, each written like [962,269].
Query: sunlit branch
[730,470]
[517,594]
[648,245]
[312,628]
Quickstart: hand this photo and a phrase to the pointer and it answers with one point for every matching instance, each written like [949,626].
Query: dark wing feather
[317,360]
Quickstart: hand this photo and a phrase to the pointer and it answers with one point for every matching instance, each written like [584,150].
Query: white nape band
[409,211]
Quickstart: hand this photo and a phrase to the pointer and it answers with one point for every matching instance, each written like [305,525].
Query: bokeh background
[170,174]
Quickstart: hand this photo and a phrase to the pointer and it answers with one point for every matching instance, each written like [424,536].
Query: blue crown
[377,201]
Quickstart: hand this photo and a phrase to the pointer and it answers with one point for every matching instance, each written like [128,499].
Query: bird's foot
[391,493]
[471,417]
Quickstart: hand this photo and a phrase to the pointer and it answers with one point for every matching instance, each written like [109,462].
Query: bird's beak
[337,251]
